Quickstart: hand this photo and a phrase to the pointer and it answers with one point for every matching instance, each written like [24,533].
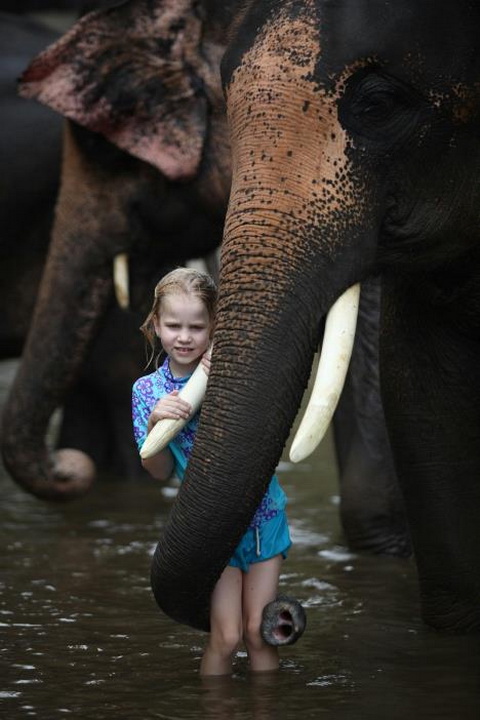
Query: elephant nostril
[283,621]
[73,463]
[284,628]
[285,624]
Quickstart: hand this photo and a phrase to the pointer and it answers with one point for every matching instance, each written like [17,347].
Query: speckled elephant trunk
[266,333]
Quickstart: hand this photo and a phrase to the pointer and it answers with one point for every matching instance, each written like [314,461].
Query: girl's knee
[226,640]
[251,633]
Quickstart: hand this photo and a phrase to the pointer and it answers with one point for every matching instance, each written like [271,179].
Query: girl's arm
[160,466]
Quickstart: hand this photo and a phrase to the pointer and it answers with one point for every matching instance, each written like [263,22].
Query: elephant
[354,128]
[145,173]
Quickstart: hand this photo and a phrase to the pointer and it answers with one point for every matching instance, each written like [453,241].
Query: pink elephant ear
[132,74]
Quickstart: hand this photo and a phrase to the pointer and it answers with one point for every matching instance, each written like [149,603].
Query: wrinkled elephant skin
[355,150]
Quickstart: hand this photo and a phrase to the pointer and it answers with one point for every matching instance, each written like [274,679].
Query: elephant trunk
[51,359]
[75,289]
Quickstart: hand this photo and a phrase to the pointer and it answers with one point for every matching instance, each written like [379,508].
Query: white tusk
[165,430]
[197,264]
[332,369]
[120,280]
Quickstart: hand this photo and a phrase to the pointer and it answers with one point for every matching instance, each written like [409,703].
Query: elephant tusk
[120,280]
[165,430]
[197,264]
[332,369]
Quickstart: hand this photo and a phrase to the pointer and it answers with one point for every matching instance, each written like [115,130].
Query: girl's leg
[259,588]
[225,624]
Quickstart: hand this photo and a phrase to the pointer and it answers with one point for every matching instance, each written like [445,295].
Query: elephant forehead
[291,41]
[431,46]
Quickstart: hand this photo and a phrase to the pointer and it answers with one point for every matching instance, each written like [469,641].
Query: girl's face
[183,327]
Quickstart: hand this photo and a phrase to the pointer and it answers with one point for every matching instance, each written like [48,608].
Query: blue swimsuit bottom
[271,538]
[267,536]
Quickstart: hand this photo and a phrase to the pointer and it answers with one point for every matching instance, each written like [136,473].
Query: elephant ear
[133,74]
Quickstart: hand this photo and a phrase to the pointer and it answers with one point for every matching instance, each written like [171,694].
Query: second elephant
[160,198]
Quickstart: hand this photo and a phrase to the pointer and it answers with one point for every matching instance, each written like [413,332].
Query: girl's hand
[170,406]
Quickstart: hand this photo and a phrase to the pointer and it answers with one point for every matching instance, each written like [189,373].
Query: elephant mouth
[335,357]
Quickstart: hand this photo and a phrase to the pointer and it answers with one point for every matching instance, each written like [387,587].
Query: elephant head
[355,150]
[146,173]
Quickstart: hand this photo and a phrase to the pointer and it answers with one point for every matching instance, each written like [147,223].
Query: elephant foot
[74,473]
[283,621]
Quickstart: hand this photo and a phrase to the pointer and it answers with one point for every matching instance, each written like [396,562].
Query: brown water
[81,636]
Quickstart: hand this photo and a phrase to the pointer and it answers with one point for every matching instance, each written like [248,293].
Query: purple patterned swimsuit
[147,390]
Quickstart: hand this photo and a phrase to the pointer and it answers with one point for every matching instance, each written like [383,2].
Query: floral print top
[146,391]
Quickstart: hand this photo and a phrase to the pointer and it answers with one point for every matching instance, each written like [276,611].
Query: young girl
[182,318]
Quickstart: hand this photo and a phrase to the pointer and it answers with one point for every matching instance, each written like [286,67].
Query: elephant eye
[375,107]
[379,107]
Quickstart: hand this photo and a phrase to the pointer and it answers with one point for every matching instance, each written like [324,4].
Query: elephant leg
[97,417]
[83,424]
[371,505]
[431,393]
[95,425]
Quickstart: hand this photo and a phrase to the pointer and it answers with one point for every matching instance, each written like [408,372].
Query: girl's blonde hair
[181,280]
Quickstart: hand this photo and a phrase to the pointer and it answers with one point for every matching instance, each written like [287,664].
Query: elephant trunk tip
[283,621]
[68,475]
[74,473]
